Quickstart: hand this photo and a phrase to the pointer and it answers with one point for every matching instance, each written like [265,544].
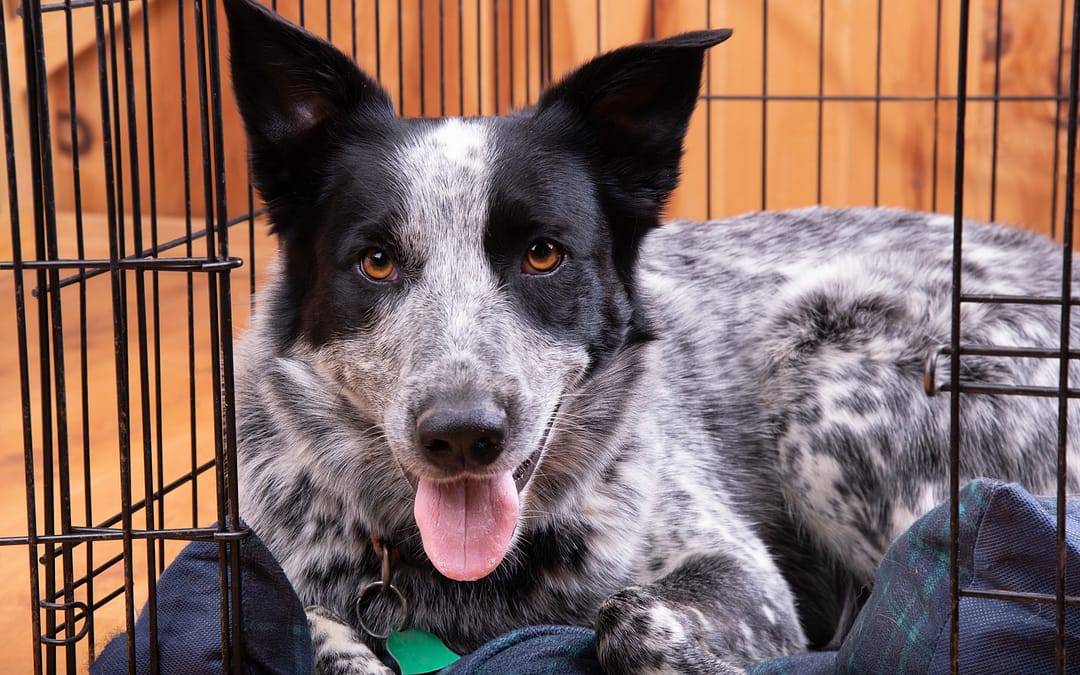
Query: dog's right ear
[294,91]
[628,112]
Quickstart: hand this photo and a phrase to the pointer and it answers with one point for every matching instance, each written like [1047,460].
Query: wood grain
[808,102]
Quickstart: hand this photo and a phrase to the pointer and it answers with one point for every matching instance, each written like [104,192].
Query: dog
[484,374]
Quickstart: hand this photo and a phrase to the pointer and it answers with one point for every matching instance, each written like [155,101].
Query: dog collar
[383,587]
[415,650]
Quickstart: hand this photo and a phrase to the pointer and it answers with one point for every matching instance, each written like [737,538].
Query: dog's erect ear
[294,91]
[633,107]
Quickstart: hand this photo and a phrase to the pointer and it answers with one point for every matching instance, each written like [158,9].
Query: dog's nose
[460,435]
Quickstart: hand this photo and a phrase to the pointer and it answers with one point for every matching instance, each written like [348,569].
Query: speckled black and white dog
[481,355]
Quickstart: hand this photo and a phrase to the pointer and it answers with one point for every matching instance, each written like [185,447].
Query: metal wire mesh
[121,255]
[129,213]
[958,348]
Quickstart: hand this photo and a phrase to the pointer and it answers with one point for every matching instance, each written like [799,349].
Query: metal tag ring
[385,589]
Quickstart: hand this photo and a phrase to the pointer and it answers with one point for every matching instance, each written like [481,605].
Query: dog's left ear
[630,108]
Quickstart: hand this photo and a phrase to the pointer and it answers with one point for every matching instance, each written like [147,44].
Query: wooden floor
[95,487]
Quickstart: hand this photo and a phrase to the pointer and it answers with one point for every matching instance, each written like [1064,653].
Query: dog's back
[802,339]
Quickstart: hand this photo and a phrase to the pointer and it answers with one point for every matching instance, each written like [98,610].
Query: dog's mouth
[524,472]
[521,475]
[467,524]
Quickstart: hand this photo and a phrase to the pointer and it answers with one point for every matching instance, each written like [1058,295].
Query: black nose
[461,434]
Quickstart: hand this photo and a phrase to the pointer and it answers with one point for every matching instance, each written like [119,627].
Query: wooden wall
[467,57]
[809,102]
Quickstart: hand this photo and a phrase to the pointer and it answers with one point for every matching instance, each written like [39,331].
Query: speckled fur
[731,413]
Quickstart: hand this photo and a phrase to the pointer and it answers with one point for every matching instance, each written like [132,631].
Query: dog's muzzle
[468,519]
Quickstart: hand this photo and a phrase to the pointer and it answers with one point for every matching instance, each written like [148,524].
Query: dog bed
[1007,541]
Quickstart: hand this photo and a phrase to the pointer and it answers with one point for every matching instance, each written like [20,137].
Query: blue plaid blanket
[276,637]
[1007,542]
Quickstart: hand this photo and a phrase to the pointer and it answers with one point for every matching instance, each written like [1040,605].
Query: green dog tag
[418,651]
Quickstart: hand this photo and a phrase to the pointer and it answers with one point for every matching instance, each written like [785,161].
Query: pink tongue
[466,525]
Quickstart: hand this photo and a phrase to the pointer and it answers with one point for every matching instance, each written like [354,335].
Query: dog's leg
[712,614]
[338,650]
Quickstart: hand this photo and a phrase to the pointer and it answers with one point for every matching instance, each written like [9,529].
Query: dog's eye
[541,257]
[375,264]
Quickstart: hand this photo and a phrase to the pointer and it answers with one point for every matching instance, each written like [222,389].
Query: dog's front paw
[638,632]
[338,650]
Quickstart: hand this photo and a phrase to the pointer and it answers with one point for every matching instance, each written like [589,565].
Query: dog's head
[456,278]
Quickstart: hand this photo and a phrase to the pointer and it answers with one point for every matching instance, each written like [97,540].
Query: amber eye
[376,265]
[542,257]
